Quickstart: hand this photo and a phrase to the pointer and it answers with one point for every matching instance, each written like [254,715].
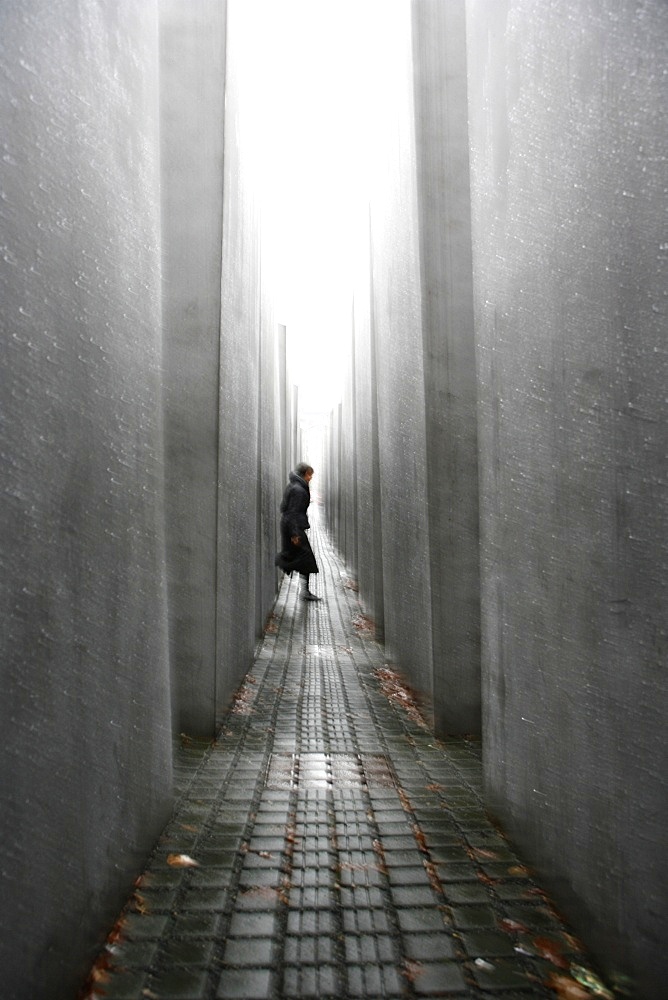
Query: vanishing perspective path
[327,845]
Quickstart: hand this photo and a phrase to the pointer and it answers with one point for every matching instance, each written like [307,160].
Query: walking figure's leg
[305,593]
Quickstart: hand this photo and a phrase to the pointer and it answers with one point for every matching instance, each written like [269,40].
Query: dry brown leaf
[411,970]
[513,926]
[140,904]
[566,988]
[181,861]
[116,933]
[573,943]
[551,950]
[483,854]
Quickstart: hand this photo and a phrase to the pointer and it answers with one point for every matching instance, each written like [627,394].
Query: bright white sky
[307,95]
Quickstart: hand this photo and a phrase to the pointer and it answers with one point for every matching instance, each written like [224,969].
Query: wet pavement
[327,845]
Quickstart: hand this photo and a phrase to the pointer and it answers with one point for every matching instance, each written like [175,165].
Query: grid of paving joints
[328,845]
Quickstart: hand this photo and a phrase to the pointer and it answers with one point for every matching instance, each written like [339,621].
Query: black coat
[297,558]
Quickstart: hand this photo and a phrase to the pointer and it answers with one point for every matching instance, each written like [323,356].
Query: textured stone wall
[249,381]
[192,95]
[224,366]
[444,222]
[397,321]
[409,414]
[369,564]
[568,118]
[85,778]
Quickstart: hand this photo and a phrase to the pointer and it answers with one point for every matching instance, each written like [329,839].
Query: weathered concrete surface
[222,362]
[444,221]
[192,97]
[367,451]
[269,479]
[399,360]
[85,778]
[568,117]
[239,508]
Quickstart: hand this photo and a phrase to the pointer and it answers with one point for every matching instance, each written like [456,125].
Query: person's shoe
[306,595]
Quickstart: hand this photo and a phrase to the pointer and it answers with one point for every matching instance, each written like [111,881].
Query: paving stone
[414,895]
[484,944]
[414,875]
[188,951]
[308,950]
[465,892]
[178,983]
[474,916]
[504,975]
[248,951]
[367,948]
[373,980]
[127,953]
[245,984]
[196,924]
[429,946]
[420,919]
[310,981]
[125,985]
[140,925]
[439,979]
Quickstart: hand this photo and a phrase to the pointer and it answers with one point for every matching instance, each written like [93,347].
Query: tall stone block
[444,214]
[269,478]
[568,125]
[367,451]
[238,441]
[192,97]
[85,778]
[398,327]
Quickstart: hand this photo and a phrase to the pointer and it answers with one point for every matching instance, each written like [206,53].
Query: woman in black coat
[296,555]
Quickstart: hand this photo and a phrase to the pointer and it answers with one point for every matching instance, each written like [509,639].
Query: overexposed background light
[310,59]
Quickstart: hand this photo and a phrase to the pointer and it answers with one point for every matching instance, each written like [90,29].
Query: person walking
[296,555]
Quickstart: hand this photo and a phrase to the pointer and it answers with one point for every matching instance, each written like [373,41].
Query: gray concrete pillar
[444,220]
[399,363]
[568,116]
[238,456]
[85,773]
[192,97]
[367,458]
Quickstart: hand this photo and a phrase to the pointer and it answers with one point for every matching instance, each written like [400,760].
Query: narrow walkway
[340,849]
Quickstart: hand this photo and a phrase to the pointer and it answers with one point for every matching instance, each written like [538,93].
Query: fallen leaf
[512,926]
[551,950]
[432,874]
[99,974]
[181,861]
[566,988]
[420,838]
[140,904]
[411,970]
[116,933]
[483,854]
[573,943]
